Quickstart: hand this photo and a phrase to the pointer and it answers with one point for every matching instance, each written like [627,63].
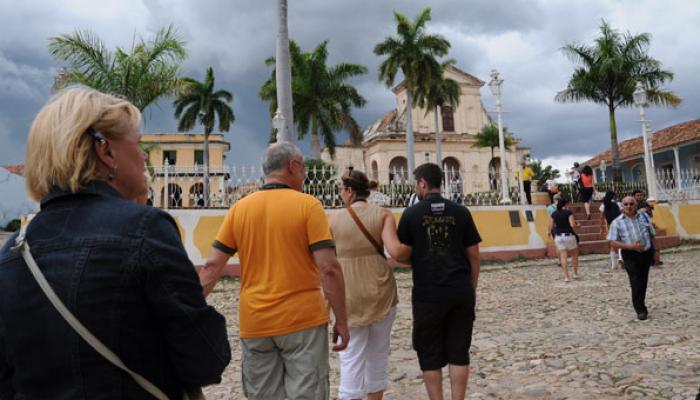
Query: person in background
[632,233]
[288,272]
[561,223]
[648,209]
[553,207]
[609,210]
[526,175]
[456,189]
[445,266]
[587,189]
[119,267]
[552,188]
[576,184]
[376,197]
[550,209]
[370,288]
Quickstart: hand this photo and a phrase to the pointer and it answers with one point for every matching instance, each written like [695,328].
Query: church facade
[383,152]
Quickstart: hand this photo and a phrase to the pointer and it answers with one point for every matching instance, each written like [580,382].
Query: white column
[677,159]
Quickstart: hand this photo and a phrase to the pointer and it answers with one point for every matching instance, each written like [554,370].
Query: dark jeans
[527,187]
[637,267]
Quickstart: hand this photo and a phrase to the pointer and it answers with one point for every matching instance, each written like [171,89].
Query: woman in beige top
[370,288]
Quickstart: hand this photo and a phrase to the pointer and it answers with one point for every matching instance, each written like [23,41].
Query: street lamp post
[278,123]
[640,99]
[603,166]
[283,75]
[495,88]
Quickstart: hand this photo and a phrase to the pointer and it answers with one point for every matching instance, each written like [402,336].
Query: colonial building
[383,151]
[178,160]
[676,153]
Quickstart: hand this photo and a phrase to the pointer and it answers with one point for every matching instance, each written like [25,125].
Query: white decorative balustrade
[183,186]
[678,185]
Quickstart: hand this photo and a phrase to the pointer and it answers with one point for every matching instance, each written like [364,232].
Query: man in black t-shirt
[445,262]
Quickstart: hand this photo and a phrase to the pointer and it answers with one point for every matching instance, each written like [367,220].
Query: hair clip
[97,135]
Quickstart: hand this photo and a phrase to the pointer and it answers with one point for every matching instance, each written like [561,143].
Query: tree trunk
[616,171]
[438,144]
[283,74]
[315,147]
[410,156]
[206,169]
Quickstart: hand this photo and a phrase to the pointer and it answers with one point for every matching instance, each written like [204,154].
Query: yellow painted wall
[495,230]
[663,219]
[205,233]
[542,225]
[689,216]
[183,232]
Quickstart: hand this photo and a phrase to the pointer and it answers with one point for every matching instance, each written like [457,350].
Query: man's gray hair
[278,155]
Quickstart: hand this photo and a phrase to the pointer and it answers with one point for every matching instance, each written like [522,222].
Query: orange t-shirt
[587,180]
[275,231]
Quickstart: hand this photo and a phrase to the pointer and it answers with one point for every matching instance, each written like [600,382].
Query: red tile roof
[675,135]
[14,169]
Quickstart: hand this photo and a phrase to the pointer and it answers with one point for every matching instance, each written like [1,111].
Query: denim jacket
[121,269]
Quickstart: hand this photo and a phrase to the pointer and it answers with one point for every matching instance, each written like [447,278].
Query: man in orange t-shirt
[287,258]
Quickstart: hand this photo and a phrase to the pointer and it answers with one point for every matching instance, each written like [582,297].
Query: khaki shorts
[291,366]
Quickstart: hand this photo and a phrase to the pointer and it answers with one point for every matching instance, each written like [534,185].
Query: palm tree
[323,101]
[440,92]
[488,137]
[542,173]
[413,51]
[142,76]
[608,72]
[199,103]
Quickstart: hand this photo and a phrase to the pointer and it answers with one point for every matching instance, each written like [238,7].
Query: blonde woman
[361,231]
[118,266]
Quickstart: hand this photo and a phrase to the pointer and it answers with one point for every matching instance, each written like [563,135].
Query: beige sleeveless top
[370,288]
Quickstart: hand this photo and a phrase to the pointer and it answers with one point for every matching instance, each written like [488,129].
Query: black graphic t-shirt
[439,232]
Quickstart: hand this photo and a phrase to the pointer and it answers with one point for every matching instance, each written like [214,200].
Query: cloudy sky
[519,38]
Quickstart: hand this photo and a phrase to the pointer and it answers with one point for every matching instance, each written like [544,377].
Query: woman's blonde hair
[60,152]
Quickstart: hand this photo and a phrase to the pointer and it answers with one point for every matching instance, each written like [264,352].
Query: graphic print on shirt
[437,228]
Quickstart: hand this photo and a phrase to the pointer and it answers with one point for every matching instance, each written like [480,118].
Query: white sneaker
[566,280]
[577,276]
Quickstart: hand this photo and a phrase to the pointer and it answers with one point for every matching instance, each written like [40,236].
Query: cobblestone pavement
[537,337]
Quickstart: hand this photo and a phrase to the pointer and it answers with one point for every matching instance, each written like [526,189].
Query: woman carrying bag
[98,299]
[361,231]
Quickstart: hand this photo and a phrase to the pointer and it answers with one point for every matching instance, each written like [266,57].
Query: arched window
[448,122]
[450,165]
[174,195]
[197,195]
[375,171]
[398,170]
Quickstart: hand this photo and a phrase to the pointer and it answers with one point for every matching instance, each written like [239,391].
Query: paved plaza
[536,337]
